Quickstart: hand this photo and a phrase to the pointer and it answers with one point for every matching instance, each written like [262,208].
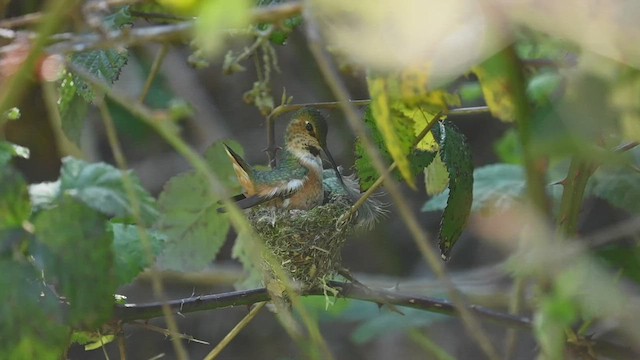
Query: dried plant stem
[167,332]
[153,72]
[334,81]
[235,331]
[156,281]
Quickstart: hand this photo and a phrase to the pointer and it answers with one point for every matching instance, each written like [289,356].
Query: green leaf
[367,174]
[508,148]
[388,125]
[495,188]
[31,318]
[105,65]
[73,108]
[101,186]
[625,258]
[456,155]
[620,186]
[189,214]
[9,151]
[15,206]
[130,255]
[76,252]
[543,86]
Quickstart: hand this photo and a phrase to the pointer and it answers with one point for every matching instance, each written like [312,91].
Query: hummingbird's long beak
[333,165]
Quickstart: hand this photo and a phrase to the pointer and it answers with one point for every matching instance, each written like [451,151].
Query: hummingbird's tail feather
[244,202]
[242,169]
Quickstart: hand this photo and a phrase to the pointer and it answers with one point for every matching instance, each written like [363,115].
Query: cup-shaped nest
[307,244]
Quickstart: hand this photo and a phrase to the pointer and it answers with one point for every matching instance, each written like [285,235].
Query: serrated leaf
[619,186]
[105,65]
[496,83]
[456,155]
[32,325]
[76,252]
[9,151]
[101,186]
[15,206]
[387,125]
[367,175]
[195,229]
[130,255]
[436,177]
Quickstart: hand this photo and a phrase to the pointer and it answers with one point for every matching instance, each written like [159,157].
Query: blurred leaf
[15,206]
[388,126]
[508,148]
[388,322]
[9,151]
[76,252]
[101,186]
[214,17]
[118,19]
[43,195]
[496,83]
[470,92]
[102,341]
[243,251]
[620,186]
[436,177]
[557,312]
[456,155]
[130,256]
[189,214]
[31,318]
[280,35]
[495,187]
[543,86]
[624,97]
[622,257]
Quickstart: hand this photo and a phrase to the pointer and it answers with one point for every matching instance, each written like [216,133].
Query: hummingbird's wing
[242,169]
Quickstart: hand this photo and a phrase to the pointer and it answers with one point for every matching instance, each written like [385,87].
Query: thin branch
[420,237]
[156,281]
[153,72]
[130,312]
[168,333]
[234,332]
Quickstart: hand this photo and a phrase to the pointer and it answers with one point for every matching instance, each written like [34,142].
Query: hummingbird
[297,180]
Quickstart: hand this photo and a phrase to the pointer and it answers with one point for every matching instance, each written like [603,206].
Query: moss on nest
[308,243]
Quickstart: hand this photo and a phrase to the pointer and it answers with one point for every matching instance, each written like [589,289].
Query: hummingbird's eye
[309,127]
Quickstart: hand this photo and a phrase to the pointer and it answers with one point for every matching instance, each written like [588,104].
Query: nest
[307,244]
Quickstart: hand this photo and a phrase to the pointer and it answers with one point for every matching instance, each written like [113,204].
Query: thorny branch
[133,312]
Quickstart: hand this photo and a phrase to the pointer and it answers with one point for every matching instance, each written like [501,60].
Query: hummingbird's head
[307,135]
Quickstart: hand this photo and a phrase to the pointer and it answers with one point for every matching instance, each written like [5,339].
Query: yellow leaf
[436,177]
[495,83]
[381,110]
[420,120]
[100,342]
[184,7]
[218,15]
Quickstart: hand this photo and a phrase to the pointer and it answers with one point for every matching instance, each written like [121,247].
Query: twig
[419,235]
[122,349]
[234,332]
[276,13]
[167,332]
[22,20]
[156,281]
[153,72]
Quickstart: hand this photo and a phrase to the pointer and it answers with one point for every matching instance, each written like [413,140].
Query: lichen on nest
[307,243]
